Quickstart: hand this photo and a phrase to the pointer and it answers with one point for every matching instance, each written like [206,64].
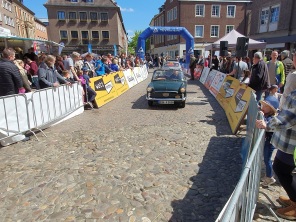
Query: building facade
[273,21]
[7,18]
[83,23]
[207,21]
[40,30]
[24,20]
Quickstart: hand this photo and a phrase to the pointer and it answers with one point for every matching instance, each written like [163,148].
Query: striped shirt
[284,126]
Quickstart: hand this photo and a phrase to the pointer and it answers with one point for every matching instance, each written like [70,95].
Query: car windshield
[171,74]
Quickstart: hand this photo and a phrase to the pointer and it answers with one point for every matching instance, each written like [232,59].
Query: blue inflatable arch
[163,30]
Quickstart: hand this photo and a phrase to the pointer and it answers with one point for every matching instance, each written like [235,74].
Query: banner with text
[105,88]
[120,83]
[130,78]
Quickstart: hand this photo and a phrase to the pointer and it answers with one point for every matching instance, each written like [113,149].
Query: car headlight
[149,89]
[182,90]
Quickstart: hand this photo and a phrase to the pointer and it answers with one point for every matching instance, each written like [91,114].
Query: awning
[29,39]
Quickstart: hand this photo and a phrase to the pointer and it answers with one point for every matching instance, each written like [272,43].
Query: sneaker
[263,179]
[288,213]
[285,201]
[268,181]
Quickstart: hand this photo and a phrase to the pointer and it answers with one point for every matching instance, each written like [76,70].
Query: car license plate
[166,102]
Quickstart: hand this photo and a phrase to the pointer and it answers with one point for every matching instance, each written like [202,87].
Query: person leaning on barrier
[26,84]
[49,76]
[10,78]
[284,139]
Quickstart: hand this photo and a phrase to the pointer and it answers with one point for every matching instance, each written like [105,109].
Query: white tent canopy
[231,37]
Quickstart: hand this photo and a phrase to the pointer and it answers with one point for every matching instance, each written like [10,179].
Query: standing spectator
[59,64]
[32,71]
[90,93]
[290,83]
[247,60]
[259,80]
[89,64]
[100,68]
[48,76]
[10,78]
[288,64]
[138,61]
[192,65]
[123,60]
[26,84]
[106,66]
[239,67]
[114,66]
[215,62]
[276,70]
[284,140]
[269,108]
[31,55]
[69,64]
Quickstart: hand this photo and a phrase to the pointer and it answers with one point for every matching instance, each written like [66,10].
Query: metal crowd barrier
[241,206]
[242,203]
[29,112]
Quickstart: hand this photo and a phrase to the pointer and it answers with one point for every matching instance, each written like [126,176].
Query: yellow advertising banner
[105,88]
[121,84]
[228,89]
[234,98]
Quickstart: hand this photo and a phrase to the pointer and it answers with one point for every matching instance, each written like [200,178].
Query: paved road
[125,162]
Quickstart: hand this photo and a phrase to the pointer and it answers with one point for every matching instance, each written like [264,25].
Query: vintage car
[168,86]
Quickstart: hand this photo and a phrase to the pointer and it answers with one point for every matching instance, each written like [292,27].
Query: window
[175,13]
[105,34]
[75,1]
[93,16]
[215,10]
[84,34]
[264,16]
[89,1]
[229,28]
[63,34]
[61,15]
[200,10]
[104,16]
[230,11]
[82,16]
[199,31]
[95,34]
[214,30]
[74,34]
[274,14]
[72,16]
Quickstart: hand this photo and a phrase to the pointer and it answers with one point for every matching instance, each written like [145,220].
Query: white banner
[138,74]
[204,75]
[130,78]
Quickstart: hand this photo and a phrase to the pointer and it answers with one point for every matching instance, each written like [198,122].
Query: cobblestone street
[125,162]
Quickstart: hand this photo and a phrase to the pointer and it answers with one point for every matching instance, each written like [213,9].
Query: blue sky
[136,14]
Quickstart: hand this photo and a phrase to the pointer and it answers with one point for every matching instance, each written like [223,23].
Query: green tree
[132,44]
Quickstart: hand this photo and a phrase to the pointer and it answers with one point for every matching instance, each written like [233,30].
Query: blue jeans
[267,152]
[259,95]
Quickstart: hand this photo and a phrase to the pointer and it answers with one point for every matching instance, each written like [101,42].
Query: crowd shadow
[216,176]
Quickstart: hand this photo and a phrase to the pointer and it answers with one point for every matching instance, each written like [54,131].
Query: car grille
[164,95]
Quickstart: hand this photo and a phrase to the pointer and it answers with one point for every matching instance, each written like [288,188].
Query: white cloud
[126,9]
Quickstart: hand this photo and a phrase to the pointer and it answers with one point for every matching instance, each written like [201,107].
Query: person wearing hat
[269,108]
[259,80]
[284,140]
[273,91]
[90,94]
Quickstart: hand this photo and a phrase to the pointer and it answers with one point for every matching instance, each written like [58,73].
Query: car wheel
[150,103]
[182,104]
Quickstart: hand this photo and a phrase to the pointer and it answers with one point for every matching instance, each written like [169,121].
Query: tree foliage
[132,44]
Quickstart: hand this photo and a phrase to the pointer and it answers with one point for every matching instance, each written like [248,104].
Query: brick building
[78,23]
[273,21]
[207,21]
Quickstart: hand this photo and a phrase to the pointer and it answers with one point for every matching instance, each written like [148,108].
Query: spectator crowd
[43,71]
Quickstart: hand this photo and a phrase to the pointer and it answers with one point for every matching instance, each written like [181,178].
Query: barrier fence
[21,113]
[28,112]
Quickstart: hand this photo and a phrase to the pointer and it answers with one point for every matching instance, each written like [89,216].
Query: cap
[285,53]
[273,87]
[258,55]
[272,102]
[84,68]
